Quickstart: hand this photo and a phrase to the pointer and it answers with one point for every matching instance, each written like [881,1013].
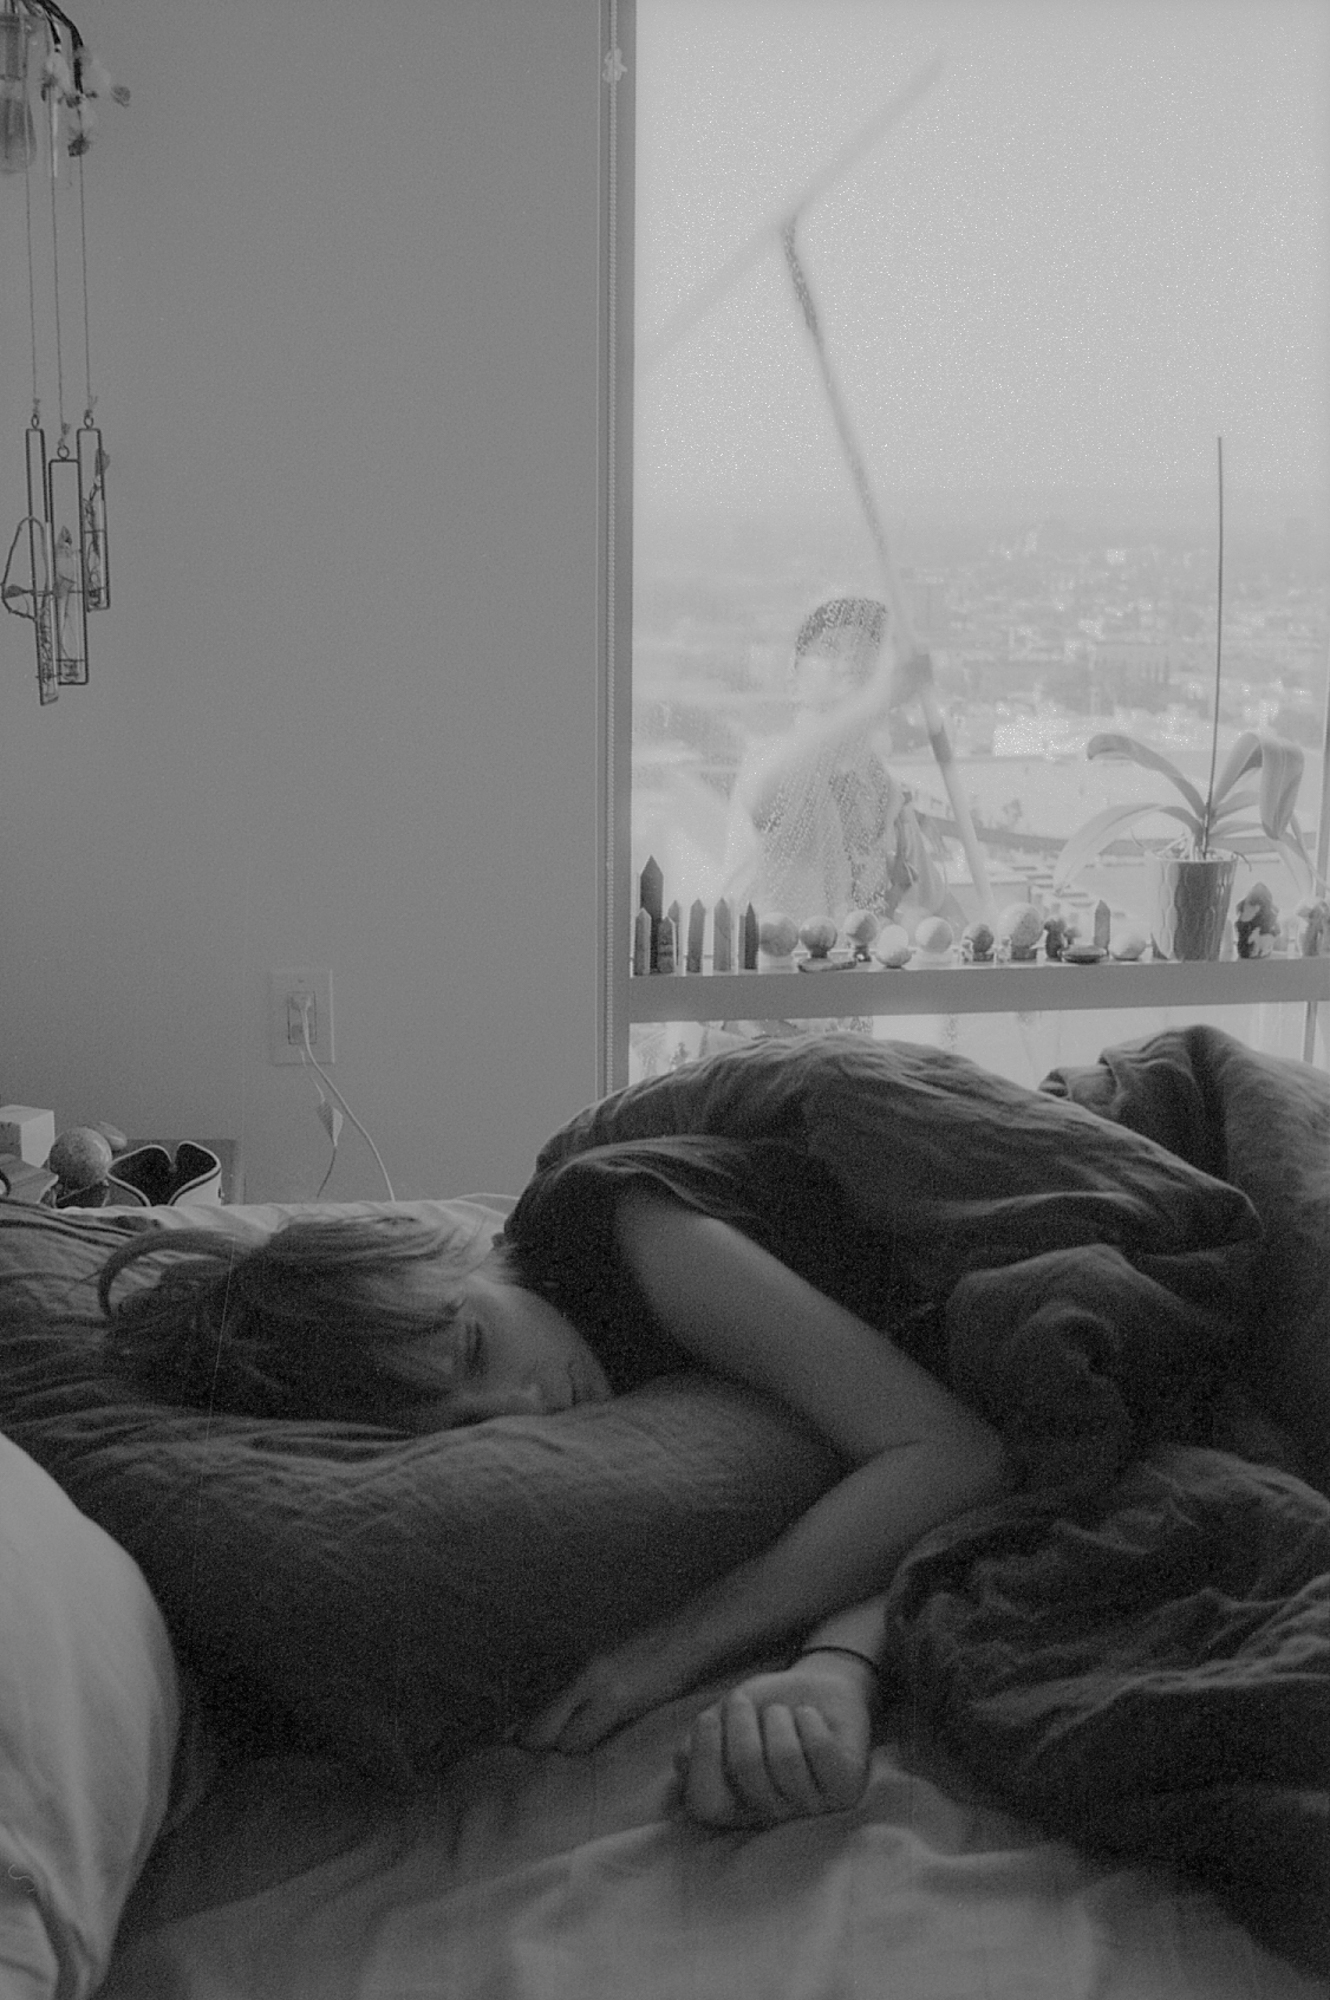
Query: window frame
[618,59]
[625,1000]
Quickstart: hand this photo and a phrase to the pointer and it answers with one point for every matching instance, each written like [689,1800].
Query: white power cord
[329,1114]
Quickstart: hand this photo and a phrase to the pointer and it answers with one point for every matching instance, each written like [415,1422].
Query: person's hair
[302,1324]
[859,623]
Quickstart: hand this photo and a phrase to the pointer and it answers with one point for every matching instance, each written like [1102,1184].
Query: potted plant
[1190,882]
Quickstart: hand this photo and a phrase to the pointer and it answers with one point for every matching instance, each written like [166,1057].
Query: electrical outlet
[290,994]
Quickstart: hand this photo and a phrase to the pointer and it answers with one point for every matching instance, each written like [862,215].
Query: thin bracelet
[850,1652]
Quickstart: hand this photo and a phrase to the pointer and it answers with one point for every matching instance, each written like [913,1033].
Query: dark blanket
[1146,1673]
[1262,1124]
[1078,1284]
[1140,1658]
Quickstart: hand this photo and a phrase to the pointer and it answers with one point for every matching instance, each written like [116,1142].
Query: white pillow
[89,1720]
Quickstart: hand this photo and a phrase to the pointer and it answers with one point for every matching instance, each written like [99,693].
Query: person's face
[511,1354]
[827,674]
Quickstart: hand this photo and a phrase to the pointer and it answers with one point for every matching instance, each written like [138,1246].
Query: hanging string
[32,294]
[87,331]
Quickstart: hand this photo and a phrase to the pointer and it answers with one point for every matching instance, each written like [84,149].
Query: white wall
[342,711]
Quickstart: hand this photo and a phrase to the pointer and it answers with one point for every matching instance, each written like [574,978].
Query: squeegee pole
[920,662]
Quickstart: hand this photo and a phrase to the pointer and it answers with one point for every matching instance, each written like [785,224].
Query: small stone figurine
[859,929]
[1019,931]
[1314,928]
[1256,923]
[1058,934]
[978,943]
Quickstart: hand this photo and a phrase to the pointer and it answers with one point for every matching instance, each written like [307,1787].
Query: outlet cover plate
[285,989]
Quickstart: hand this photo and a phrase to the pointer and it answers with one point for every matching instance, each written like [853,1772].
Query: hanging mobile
[17,150]
[66,518]
[64,485]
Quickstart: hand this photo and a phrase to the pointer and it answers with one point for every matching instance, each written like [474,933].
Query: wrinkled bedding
[532,1877]
[1078,1284]
[1135,1650]
[1263,1125]
[1146,1673]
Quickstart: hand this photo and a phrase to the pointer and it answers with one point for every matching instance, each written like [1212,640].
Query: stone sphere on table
[777,934]
[817,936]
[893,947]
[80,1158]
[1129,941]
[935,936]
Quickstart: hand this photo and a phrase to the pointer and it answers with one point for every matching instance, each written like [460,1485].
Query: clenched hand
[780,1746]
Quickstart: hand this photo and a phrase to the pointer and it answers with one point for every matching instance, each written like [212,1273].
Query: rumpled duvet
[1133,1268]
[1074,1280]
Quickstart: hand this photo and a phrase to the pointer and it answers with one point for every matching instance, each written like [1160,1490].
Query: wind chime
[65,521]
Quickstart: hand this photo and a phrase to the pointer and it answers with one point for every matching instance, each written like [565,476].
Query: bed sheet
[538,1877]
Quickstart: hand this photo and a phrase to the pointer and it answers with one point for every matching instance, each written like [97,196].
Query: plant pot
[1189,902]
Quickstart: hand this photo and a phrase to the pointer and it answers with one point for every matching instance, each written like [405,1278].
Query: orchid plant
[1229,817]
[1220,821]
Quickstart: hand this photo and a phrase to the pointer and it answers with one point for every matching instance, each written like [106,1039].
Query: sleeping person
[620,1265]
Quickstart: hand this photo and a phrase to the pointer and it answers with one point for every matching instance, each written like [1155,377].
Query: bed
[258,1727]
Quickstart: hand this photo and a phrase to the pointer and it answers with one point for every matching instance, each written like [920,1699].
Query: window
[1042,255]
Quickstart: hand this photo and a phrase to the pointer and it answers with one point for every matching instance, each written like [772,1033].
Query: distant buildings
[1139,671]
[929,605]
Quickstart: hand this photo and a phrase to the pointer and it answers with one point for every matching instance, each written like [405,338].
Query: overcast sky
[1099,241]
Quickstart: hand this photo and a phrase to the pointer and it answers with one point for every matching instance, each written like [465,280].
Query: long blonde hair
[303,1324]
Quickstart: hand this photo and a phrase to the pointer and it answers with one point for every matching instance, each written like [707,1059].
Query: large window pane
[1094,242]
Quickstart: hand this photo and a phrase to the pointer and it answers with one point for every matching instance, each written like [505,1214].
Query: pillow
[395,1601]
[89,1718]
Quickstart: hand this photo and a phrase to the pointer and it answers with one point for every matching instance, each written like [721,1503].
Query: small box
[29,1133]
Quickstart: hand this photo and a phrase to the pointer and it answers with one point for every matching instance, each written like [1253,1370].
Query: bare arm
[740,1312]
[827,740]
[918,1457]
[844,1548]
[813,747]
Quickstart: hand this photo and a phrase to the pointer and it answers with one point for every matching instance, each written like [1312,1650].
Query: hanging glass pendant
[65,514]
[92,478]
[18,136]
[43,576]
